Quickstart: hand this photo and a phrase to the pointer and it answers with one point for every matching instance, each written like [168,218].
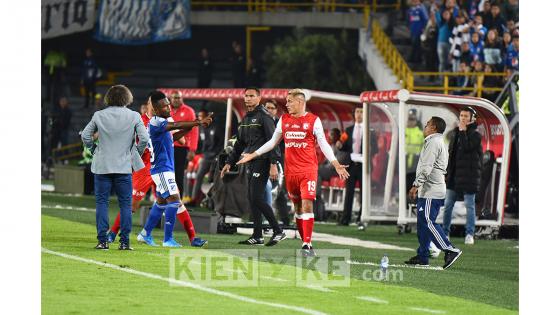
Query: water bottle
[384,266]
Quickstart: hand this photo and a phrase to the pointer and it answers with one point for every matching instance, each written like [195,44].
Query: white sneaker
[469,239]
[434,251]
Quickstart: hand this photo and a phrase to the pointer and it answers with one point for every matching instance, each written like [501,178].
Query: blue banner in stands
[139,22]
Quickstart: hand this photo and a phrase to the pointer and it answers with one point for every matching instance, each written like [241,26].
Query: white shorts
[165,184]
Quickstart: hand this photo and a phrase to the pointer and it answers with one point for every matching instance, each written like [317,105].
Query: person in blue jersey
[163,168]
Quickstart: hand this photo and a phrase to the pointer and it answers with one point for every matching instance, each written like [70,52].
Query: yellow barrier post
[479,81]
[248,41]
[410,82]
[445,84]
[366,16]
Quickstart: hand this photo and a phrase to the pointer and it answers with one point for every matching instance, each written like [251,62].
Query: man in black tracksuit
[255,129]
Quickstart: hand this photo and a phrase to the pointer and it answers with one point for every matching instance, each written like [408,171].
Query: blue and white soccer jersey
[163,168]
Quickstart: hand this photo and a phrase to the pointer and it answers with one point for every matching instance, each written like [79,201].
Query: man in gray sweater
[114,159]
[429,185]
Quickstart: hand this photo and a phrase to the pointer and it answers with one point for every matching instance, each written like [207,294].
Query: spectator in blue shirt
[417,19]
[477,48]
[507,43]
[512,55]
[478,27]
[444,23]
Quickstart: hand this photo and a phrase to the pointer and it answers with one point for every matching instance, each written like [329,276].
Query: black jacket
[254,130]
[212,141]
[347,145]
[465,160]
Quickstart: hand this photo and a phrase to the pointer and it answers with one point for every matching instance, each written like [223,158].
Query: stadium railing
[67,152]
[313,6]
[406,76]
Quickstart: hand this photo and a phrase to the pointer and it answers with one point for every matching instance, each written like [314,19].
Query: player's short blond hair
[298,92]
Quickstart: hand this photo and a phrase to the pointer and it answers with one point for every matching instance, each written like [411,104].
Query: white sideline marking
[47,187]
[68,208]
[426,310]
[335,239]
[372,299]
[319,288]
[351,262]
[183,283]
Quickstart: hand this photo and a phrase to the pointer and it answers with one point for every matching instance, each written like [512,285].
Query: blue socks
[170,215]
[153,218]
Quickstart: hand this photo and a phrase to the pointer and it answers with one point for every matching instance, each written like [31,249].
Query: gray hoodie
[431,169]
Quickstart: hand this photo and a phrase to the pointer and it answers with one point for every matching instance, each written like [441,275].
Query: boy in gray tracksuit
[430,188]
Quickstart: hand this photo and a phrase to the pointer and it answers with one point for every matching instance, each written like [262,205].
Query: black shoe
[361,226]
[252,241]
[276,238]
[102,246]
[307,251]
[451,257]
[417,260]
[125,246]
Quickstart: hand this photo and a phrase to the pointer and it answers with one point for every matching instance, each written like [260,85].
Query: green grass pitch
[79,280]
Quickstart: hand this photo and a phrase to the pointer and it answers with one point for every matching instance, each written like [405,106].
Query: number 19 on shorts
[311,185]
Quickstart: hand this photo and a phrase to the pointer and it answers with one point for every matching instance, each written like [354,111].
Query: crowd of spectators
[466,36]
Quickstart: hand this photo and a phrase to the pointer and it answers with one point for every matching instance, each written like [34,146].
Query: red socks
[307,221]
[185,219]
[117,225]
[299,224]
[304,224]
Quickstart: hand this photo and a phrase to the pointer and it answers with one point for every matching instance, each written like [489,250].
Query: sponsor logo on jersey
[294,135]
[297,145]
[305,126]
[256,174]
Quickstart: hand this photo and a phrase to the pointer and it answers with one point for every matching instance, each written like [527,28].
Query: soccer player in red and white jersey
[142,182]
[300,130]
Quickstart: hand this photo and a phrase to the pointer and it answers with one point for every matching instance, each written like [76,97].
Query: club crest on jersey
[295,135]
[305,126]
